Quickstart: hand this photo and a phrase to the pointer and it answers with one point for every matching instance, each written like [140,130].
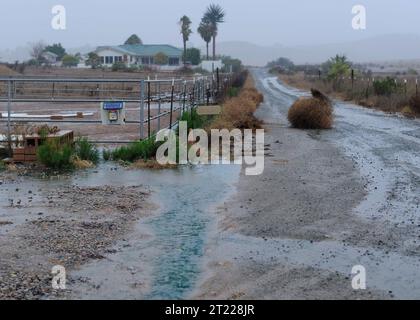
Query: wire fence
[155,104]
[361,86]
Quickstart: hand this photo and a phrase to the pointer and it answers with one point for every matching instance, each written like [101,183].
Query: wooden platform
[28,152]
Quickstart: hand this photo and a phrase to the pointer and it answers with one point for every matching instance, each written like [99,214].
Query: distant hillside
[381,48]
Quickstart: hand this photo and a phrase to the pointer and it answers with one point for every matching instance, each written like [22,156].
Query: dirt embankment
[41,227]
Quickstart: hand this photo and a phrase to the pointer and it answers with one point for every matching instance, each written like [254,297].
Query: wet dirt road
[327,201]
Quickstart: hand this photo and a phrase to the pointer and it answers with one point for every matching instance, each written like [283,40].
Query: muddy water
[162,258]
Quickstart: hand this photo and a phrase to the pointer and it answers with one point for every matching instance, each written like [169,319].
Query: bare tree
[37,49]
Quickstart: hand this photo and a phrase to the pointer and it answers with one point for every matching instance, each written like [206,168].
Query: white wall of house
[210,65]
[111,56]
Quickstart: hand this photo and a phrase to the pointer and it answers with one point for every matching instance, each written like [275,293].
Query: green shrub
[119,66]
[85,150]
[194,120]
[233,92]
[144,149]
[106,155]
[2,165]
[55,156]
[386,87]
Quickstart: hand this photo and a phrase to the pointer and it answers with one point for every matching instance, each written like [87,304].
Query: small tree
[193,55]
[232,64]
[58,49]
[70,61]
[119,66]
[336,68]
[93,60]
[161,59]
[37,49]
[133,39]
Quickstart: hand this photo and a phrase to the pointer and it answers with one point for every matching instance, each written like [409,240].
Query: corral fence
[158,103]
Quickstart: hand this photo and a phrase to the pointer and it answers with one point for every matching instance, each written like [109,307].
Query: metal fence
[169,98]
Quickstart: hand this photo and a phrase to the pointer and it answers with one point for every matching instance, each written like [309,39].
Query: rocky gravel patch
[74,226]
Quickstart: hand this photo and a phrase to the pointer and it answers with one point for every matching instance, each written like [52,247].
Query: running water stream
[169,260]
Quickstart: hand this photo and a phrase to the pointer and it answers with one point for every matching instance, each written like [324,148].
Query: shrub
[194,120]
[144,149]
[85,150]
[119,66]
[2,165]
[106,155]
[385,87]
[233,92]
[415,103]
[55,156]
[238,112]
[311,113]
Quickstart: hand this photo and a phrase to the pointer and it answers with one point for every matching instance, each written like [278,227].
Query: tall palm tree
[214,16]
[206,32]
[186,31]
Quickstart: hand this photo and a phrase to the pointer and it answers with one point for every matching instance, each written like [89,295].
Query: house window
[117,59]
[174,61]
[109,60]
[145,60]
[102,60]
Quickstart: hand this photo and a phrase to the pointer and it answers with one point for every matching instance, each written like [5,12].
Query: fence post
[9,109]
[185,96]
[218,82]
[193,95]
[172,103]
[159,106]
[208,92]
[142,89]
[148,110]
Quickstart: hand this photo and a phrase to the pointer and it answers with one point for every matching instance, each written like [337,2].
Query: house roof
[145,49]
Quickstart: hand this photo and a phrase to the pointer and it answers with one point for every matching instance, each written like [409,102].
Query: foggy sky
[264,22]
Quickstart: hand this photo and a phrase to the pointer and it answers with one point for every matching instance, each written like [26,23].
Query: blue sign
[114,105]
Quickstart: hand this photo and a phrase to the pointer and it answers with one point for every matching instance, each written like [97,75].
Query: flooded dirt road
[327,201]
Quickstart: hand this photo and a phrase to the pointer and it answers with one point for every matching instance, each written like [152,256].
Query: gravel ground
[60,225]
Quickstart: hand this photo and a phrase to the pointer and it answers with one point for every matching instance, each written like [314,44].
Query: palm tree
[214,15]
[186,31]
[206,32]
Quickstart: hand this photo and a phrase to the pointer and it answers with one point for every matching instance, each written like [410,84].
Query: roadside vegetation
[80,155]
[238,110]
[312,113]
[342,79]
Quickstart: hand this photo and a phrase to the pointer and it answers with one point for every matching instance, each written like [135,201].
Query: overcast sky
[264,22]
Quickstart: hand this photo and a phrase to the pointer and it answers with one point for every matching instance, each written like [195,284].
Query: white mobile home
[140,55]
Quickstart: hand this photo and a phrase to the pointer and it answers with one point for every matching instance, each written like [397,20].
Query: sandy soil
[296,231]
[59,223]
